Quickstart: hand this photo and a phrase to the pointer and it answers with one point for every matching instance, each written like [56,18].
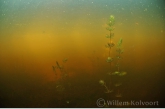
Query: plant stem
[106,88]
[110,48]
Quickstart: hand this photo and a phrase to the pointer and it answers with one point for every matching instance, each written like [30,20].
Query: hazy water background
[34,34]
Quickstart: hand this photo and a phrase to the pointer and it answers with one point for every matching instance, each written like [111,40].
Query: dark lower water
[59,53]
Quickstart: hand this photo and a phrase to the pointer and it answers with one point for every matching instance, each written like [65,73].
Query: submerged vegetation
[110,44]
[114,81]
[68,53]
[60,84]
[112,85]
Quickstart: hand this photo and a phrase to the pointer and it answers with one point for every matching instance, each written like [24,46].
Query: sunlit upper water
[53,53]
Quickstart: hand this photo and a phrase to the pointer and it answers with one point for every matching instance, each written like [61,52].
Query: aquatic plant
[60,84]
[122,73]
[109,59]
[102,82]
[119,51]
[110,44]
[114,77]
[118,72]
[61,68]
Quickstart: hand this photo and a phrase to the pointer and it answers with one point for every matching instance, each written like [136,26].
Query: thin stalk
[118,63]
[110,47]
[106,88]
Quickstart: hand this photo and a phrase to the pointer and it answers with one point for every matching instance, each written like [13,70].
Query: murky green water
[58,53]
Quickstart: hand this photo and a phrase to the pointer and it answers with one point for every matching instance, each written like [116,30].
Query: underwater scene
[82,53]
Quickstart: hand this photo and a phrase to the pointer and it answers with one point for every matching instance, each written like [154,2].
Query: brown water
[34,35]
